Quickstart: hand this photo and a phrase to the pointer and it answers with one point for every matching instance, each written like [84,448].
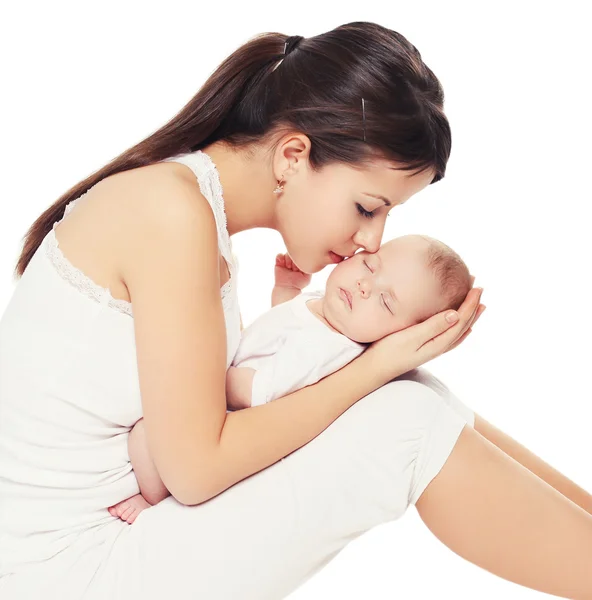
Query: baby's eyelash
[368,266]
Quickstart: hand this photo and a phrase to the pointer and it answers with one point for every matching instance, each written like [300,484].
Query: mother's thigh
[266,535]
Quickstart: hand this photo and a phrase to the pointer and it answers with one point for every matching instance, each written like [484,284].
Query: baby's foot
[129,509]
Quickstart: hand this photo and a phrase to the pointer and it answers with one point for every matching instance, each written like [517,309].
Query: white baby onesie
[290,348]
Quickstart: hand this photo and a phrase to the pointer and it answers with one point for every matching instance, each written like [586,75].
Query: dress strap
[208,179]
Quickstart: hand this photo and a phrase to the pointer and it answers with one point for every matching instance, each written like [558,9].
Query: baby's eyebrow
[391,290]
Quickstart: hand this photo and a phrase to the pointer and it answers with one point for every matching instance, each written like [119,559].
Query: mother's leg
[491,510]
[510,553]
[504,442]
[533,463]
[265,536]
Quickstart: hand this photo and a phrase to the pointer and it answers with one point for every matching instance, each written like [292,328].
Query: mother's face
[335,212]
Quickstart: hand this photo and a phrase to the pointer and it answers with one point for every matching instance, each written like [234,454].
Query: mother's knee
[405,403]
[424,377]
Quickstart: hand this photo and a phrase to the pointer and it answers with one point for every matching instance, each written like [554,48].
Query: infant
[367,297]
[307,336]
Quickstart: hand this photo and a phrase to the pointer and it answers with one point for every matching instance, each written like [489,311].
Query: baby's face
[369,296]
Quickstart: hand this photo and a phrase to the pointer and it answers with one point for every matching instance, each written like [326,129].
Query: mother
[350,125]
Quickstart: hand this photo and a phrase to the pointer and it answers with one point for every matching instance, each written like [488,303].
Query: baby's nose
[363,288]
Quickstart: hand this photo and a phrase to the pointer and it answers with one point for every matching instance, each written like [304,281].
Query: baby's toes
[118,509]
[132,516]
[127,512]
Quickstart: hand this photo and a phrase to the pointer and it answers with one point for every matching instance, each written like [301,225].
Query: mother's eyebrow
[386,201]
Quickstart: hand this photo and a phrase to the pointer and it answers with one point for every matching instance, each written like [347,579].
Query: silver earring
[280,188]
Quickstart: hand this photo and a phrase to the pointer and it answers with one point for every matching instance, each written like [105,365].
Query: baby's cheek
[368,328]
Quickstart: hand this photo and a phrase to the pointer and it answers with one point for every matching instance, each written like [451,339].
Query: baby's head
[408,280]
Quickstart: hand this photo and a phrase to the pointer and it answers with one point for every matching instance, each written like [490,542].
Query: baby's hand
[239,387]
[287,274]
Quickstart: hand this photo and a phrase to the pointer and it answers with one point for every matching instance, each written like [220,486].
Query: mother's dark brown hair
[317,90]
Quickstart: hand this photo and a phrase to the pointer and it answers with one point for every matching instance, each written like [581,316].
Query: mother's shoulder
[157,186]
[150,201]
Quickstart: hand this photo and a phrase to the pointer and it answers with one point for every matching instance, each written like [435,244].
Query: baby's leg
[152,488]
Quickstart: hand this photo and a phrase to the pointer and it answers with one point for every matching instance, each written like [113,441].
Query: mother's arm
[170,266]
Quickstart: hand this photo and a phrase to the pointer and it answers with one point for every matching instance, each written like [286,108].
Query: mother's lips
[336,258]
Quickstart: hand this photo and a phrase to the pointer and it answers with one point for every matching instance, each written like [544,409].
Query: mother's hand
[409,348]
[477,312]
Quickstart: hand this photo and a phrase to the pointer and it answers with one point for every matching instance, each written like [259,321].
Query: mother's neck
[247,185]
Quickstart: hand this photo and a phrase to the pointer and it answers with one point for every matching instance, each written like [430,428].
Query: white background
[83,82]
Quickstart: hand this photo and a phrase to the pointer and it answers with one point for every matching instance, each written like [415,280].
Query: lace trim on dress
[103,295]
[217,203]
[77,278]
[211,188]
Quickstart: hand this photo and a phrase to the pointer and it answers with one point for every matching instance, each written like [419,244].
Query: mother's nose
[370,238]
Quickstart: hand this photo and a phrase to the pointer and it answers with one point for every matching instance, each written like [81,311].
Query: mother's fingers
[467,312]
[460,339]
[476,314]
[480,311]
[468,309]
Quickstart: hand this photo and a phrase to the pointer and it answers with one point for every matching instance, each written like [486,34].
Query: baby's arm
[281,294]
[239,387]
[151,486]
[289,280]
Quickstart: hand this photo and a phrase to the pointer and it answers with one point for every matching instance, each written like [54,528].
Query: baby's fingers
[280,260]
[290,264]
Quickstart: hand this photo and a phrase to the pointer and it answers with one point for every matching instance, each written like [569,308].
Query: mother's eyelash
[364,212]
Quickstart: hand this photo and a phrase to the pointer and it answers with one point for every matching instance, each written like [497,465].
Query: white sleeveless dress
[69,395]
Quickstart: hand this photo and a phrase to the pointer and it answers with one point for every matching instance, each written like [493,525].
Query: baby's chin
[363,337]
[342,327]
[357,335]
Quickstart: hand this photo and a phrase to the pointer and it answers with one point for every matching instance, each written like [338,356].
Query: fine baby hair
[450,271]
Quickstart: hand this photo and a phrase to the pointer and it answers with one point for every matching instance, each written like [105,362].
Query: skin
[305,212]
[493,502]
[389,290]
[466,505]
[335,190]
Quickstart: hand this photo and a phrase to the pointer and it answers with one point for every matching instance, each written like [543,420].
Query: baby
[368,296]
[307,336]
